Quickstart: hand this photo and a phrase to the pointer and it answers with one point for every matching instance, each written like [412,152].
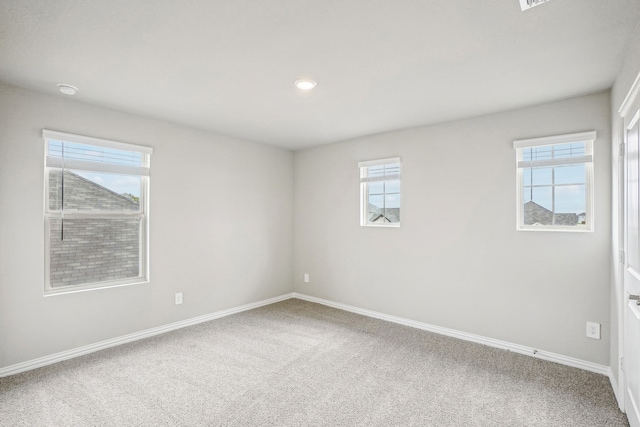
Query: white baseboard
[616,391]
[516,348]
[69,354]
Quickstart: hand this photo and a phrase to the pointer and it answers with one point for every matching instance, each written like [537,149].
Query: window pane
[539,195]
[94,191]
[537,209]
[541,176]
[392,208]
[376,187]
[392,186]
[93,250]
[392,201]
[570,174]
[376,202]
[376,207]
[570,203]
[571,198]
[392,215]
[55,190]
[384,202]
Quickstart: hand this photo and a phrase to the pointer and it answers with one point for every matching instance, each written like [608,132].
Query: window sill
[381,225]
[62,290]
[557,229]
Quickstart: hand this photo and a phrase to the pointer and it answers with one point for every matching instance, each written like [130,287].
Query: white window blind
[92,154]
[380,170]
[556,150]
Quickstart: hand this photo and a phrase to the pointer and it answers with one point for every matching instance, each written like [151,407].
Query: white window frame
[520,145]
[57,163]
[364,189]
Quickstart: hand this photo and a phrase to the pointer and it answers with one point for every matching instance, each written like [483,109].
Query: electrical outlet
[593,330]
[306,278]
[178,298]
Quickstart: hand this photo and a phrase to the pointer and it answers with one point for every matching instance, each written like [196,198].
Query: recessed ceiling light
[305,84]
[67,89]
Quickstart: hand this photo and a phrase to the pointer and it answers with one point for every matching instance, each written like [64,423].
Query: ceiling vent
[528,4]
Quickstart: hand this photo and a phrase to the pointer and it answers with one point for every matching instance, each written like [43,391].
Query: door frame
[621,302]
[619,387]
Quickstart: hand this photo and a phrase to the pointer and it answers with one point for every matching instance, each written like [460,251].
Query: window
[380,192]
[96,212]
[555,182]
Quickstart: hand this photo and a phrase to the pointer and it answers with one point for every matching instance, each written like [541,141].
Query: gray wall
[220,227]
[221,230]
[457,261]
[623,84]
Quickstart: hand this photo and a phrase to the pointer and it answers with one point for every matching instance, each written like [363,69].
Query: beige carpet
[301,364]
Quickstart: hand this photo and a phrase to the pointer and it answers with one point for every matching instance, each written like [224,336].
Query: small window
[380,192]
[555,182]
[96,216]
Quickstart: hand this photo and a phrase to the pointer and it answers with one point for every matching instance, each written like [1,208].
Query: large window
[96,213]
[555,182]
[380,192]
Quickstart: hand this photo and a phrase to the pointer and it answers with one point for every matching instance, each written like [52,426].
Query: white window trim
[142,213]
[587,137]
[364,200]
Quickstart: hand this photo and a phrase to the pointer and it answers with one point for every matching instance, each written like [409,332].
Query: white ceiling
[228,66]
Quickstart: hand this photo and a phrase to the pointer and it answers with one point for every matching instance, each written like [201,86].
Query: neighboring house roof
[377,214]
[81,193]
[536,214]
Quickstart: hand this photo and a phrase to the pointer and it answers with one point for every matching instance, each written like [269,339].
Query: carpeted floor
[297,363]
